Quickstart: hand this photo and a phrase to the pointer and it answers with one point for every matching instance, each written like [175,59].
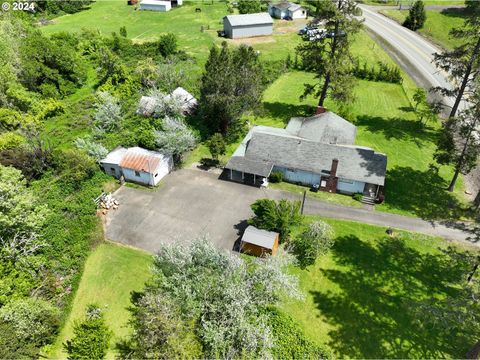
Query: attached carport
[248,171]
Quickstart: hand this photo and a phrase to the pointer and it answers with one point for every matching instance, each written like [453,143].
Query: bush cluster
[381,72]
[276,177]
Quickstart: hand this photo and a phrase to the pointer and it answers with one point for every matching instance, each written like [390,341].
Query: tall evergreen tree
[463,62]
[330,57]
[416,16]
[459,143]
[231,85]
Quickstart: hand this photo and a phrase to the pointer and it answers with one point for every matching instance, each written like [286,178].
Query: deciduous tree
[214,293]
[276,216]
[249,6]
[315,241]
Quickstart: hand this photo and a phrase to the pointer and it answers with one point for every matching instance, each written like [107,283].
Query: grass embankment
[111,274]
[438,25]
[358,295]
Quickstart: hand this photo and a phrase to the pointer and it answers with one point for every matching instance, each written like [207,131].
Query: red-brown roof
[141,160]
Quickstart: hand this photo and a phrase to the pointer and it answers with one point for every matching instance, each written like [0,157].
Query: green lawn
[426,2]
[111,273]
[384,119]
[109,16]
[438,24]
[357,296]
[325,196]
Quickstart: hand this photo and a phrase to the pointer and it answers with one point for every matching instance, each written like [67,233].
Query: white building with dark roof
[247,25]
[318,150]
[137,165]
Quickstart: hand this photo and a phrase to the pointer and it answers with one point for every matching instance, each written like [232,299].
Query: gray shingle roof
[354,163]
[328,128]
[249,19]
[286,5]
[263,238]
[251,166]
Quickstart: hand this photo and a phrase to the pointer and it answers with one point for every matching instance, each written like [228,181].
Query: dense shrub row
[381,72]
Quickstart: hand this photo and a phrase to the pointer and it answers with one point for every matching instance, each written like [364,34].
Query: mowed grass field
[358,296]
[111,273]
[438,25]
[196,31]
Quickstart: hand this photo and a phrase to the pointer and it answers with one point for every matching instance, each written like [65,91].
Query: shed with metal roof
[137,165]
[259,242]
[247,25]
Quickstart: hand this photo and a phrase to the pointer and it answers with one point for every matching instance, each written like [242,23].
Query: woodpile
[107,202]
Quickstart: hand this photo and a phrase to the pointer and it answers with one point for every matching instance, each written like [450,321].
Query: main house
[137,165]
[287,10]
[315,151]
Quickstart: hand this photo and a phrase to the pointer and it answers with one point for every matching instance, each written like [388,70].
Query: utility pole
[303,201]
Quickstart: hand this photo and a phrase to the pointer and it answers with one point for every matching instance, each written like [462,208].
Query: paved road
[449,232]
[413,53]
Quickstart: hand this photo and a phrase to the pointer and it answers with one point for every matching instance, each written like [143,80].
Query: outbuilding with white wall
[155,5]
[247,25]
[137,165]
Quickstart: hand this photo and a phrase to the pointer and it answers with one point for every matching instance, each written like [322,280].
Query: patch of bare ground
[253,40]
[288,26]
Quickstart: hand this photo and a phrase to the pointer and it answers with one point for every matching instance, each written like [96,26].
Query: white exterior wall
[298,176]
[144,178]
[116,172]
[307,178]
[350,186]
[236,32]
[298,14]
[162,7]
[179,2]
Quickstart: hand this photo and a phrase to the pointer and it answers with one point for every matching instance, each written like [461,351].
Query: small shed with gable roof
[259,242]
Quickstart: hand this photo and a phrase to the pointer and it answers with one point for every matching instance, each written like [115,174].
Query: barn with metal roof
[247,25]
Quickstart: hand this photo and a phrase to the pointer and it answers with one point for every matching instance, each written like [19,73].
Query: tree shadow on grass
[422,193]
[454,12]
[286,111]
[397,128]
[373,314]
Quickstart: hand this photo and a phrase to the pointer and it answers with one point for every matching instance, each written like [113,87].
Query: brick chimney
[320,110]
[333,169]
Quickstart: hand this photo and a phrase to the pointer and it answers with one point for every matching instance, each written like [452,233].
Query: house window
[156,174]
[137,173]
[112,170]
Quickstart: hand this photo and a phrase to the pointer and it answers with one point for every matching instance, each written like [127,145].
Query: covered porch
[248,171]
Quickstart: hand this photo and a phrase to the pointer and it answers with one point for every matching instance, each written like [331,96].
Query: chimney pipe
[333,170]
[320,110]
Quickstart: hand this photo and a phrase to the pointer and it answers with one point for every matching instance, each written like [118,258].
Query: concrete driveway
[190,203]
